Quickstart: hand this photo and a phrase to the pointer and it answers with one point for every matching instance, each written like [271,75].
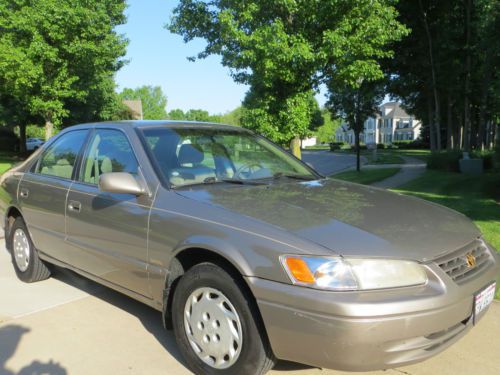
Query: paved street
[327,163]
[68,325]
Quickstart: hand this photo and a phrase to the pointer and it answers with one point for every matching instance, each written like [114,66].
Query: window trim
[33,169]
[77,178]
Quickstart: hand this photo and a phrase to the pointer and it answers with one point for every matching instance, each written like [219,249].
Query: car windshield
[190,156]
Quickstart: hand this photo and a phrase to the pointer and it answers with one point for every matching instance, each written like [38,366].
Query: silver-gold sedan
[250,254]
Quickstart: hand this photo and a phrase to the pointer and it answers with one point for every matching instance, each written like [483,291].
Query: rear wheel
[28,266]
[216,324]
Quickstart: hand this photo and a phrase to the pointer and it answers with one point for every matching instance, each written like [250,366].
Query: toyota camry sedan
[250,254]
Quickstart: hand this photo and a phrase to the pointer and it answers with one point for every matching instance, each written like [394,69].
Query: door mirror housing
[121,183]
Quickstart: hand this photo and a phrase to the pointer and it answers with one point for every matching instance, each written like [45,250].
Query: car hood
[349,219]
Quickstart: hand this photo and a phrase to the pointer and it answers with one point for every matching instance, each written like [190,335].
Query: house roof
[396,110]
[135,107]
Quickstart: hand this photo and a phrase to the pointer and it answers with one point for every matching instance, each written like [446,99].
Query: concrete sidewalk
[412,169]
[68,325]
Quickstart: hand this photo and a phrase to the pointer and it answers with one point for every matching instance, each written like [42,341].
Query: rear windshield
[197,156]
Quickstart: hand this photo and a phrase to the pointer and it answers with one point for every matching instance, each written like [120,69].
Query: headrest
[61,162]
[106,165]
[190,153]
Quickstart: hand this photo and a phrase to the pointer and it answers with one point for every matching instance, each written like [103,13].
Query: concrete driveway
[68,325]
[327,163]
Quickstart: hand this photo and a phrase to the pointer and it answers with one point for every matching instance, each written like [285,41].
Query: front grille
[455,264]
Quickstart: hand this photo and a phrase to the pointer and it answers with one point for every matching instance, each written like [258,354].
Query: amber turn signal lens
[300,270]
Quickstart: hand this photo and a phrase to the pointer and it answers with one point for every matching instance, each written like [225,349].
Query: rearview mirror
[120,183]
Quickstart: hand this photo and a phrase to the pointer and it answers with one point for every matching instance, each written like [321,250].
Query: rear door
[43,192]
[107,231]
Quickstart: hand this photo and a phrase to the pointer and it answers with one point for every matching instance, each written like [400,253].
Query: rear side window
[60,158]
[108,151]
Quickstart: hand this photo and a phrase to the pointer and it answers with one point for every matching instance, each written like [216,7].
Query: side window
[59,159]
[108,151]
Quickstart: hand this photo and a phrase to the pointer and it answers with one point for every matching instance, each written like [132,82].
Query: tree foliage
[297,116]
[326,132]
[446,72]
[59,57]
[154,101]
[355,104]
[285,49]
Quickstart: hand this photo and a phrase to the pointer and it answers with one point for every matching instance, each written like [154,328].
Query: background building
[392,124]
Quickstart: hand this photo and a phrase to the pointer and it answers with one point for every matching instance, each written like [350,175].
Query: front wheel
[216,324]
[28,266]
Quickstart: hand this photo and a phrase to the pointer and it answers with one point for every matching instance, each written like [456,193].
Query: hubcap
[21,250]
[213,327]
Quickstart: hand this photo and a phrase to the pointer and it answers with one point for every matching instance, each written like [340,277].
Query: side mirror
[120,183]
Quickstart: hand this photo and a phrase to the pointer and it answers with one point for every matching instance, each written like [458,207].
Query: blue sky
[158,57]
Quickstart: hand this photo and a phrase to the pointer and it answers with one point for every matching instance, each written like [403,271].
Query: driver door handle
[74,206]
[24,193]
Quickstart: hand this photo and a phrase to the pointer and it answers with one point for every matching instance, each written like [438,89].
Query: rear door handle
[24,193]
[74,206]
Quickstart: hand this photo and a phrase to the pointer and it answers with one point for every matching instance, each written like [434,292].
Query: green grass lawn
[418,154]
[383,157]
[317,147]
[478,197]
[367,176]
[6,161]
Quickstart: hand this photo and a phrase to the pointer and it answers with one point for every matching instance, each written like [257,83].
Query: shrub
[487,156]
[362,146]
[445,161]
[336,145]
[417,144]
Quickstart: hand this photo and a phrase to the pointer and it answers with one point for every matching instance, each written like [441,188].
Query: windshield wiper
[239,181]
[279,175]
[213,180]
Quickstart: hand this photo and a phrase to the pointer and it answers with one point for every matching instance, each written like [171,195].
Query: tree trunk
[467,122]
[49,127]
[295,147]
[358,152]
[437,114]
[449,129]
[430,116]
[22,138]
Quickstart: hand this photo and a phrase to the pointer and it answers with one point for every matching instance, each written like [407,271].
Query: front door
[107,231]
[43,191]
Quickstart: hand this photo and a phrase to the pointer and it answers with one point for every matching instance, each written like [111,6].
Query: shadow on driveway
[149,317]
[10,336]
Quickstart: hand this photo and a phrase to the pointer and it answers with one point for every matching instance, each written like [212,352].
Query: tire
[254,355]
[31,268]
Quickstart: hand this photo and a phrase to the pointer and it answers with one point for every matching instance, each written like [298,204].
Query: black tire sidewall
[253,352]
[27,275]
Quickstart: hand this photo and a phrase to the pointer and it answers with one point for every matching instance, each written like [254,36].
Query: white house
[390,125]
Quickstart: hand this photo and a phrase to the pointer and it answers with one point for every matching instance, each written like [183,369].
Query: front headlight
[335,273]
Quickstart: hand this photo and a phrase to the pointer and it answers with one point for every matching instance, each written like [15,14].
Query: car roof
[158,124]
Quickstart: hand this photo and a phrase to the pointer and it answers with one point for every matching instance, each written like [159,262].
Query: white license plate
[483,299]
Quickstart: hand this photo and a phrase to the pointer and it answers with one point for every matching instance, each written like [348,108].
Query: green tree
[54,53]
[355,105]
[176,114]
[194,115]
[326,132]
[452,79]
[282,48]
[154,102]
[232,117]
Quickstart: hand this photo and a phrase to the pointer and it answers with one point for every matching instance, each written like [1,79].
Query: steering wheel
[247,169]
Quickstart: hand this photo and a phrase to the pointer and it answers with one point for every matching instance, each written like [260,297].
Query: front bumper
[361,331]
